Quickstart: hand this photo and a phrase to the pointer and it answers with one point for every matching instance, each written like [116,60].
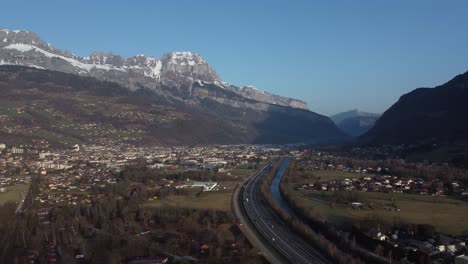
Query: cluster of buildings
[205,186]
[96,132]
[72,185]
[68,175]
[8,181]
[440,248]
[367,180]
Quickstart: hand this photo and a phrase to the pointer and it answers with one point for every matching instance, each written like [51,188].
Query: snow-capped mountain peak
[188,57]
[188,64]
[174,69]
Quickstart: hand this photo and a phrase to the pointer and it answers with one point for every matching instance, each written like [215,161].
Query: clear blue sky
[335,55]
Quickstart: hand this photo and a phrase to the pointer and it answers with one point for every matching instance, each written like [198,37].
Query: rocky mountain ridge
[176,70]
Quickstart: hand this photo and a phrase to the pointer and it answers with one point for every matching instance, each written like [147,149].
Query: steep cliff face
[178,70]
[20,36]
[188,64]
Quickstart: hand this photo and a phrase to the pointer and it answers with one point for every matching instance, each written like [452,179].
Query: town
[80,176]
[66,175]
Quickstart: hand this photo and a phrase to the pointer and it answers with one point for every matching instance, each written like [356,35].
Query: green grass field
[446,214]
[218,200]
[241,172]
[13,193]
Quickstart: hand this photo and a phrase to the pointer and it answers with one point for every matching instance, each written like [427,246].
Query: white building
[207,186]
[15,150]
[156,166]
[44,155]
[2,146]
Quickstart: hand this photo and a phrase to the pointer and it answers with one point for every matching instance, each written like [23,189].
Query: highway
[266,230]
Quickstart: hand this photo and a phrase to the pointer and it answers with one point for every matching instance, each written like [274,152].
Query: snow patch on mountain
[87,67]
[178,70]
[4,62]
[7,31]
[252,89]
[186,57]
[154,72]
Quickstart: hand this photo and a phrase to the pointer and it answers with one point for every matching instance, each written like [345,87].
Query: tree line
[317,239]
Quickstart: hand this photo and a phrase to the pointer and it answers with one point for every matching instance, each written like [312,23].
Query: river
[275,189]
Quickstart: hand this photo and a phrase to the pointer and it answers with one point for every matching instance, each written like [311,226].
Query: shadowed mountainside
[62,109]
[437,114]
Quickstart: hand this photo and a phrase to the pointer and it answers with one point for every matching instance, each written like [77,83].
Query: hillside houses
[376,179]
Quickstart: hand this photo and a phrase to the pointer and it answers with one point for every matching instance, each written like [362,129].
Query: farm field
[245,170]
[217,200]
[13,193]
[447,215]
[241,173]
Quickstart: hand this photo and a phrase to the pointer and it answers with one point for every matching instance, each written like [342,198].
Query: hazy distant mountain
[355,122]
[178,99]
[338,118]
[437,114]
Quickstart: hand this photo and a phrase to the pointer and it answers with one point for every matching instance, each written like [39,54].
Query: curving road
[264,228]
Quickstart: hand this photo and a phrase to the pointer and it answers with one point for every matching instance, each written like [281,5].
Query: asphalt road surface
[275,239]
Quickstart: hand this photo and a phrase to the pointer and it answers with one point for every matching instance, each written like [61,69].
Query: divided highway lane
[275,234]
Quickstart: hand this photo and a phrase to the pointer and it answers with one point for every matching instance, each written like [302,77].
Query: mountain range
[177,70]
[55,96]
[425,115]
[355,122]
